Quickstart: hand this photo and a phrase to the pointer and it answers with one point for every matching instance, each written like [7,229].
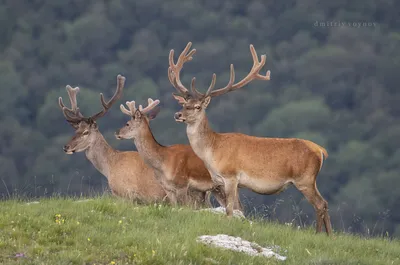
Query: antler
[117,95]
[173,75]
[253,74]
[132,107]
[175,69]
[72,115]
[151,104]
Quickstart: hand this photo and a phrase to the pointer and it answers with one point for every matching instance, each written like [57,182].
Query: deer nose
[66,148]
[177,115]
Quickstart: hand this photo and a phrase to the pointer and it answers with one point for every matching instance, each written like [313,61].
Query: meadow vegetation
[108,230]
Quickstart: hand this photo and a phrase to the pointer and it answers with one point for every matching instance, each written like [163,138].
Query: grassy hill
[107,230]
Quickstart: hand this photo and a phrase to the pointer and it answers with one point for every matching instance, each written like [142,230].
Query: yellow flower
[120,221]
[88,239]
[77,222]
[112,263]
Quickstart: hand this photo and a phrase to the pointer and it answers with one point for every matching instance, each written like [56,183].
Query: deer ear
[94,125]
[181,100]
[137,115]
[153,113]
[74,125]
[206,101]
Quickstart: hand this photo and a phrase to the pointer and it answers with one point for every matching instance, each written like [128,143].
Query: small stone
[239,245]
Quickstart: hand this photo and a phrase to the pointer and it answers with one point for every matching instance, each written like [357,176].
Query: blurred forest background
[335,84]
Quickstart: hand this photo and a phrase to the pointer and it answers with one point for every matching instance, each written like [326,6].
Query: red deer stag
[264,165]
[176,167]
[127,174]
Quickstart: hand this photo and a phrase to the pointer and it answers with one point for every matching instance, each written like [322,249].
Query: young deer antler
[132,107]
[174,75]
[175,69]
[151,104]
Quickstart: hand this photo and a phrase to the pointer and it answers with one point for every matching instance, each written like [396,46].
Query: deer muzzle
[178,117]
[67,150]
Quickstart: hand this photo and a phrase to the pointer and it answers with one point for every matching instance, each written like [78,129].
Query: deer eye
[85,133]
[127,124]
[197,107]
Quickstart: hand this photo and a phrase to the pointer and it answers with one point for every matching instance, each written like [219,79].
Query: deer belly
[200,185]
[263,185]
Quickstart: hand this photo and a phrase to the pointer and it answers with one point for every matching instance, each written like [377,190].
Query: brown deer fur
[264,165]
[127,174]
[177,167]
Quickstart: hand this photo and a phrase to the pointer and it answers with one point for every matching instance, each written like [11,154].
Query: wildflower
[88,239]
[58,219]
[120,221]
[112,263]
[77,222]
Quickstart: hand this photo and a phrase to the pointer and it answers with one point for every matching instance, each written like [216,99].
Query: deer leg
[320,205]
[327,221]
[238,204]
[172,198]
[184,196]
[231,188]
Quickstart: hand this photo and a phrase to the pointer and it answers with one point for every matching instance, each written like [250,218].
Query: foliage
[336,85]
[111,231]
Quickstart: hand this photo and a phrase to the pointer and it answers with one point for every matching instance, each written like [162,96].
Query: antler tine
[212,85]
[131,106]
[71,114]
[175,69]
[117,95]
[253,74]
[72,92]
[151,105]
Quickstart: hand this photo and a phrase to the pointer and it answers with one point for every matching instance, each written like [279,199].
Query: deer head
[86,129]
[194,102]
[139,118]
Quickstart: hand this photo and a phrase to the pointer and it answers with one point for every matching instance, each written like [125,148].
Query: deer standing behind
[127,174]
[264,165]
[180,171]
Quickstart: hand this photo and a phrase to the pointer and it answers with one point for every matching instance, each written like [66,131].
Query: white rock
[222,210]
[33,202]
[85,200]
[239,245]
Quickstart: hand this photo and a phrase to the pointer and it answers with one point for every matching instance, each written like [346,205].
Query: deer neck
[201,137]
[149,149]
[100,153]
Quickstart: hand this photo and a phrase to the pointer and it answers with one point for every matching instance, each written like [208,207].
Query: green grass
[106,230]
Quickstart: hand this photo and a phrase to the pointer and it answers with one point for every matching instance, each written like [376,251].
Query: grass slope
[113,231]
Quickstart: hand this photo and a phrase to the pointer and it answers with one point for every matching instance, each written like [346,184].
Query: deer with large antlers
[264,165]
[179,170]
[127,174]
